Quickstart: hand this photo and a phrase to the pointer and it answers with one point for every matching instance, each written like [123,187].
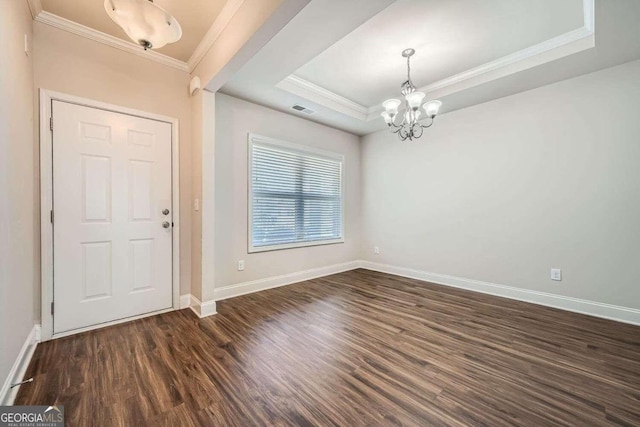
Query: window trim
[255,139]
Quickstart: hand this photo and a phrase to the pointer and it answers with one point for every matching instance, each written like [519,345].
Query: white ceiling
[449,37]
[195,18]
[343,58]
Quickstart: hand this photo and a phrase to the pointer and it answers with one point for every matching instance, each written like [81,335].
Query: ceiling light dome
[145,23]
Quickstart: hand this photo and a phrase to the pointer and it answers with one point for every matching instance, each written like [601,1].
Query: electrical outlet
[196,205]
[241,265]
[556,274]
[376,250]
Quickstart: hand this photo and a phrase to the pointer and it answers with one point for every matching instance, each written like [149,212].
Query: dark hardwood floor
[356,348]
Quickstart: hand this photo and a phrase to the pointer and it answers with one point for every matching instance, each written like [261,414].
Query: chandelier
[145,23]
[409,127]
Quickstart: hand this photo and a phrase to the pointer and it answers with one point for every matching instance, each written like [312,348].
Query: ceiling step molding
[223,19]
[312,92]
[109,40]
[549,50]
[525,55]
[586,32]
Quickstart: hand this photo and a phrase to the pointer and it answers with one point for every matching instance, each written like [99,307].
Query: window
[295,195]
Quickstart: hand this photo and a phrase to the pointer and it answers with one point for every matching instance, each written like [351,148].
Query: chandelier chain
[409,71]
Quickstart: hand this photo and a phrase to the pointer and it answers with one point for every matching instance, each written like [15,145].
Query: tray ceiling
[449,37]
[342,59]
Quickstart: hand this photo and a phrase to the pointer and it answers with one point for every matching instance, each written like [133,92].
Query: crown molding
[223,19]
[558,47]
[589,14]
[109,40]
[35,7]
[549,50]
[312,92]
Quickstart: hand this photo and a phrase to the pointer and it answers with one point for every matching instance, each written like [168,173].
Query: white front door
[112,255]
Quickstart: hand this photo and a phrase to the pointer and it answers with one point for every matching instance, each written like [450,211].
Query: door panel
[111,182]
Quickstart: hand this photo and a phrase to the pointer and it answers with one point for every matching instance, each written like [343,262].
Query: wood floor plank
[358,348]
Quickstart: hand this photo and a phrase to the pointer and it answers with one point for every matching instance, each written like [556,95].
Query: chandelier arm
[429,125]
[394,125]
[394,128]
[417,126]
[403,133]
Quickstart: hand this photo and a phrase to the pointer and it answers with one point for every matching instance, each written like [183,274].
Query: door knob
[165,212]
[166,224]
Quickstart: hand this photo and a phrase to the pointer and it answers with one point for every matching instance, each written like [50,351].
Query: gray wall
[502,192]
[19,219]
[234,120]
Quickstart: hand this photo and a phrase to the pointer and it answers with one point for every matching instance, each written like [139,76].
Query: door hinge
[51,216]
[51,123]
[52,308]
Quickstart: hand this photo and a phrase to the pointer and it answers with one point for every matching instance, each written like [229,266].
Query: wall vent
[301,109]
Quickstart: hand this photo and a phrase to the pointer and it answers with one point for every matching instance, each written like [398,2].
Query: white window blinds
[295,195]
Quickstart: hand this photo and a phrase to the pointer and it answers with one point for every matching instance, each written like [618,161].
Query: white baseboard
[277,281]
[202,309]
[592,308]
[205,309]
[185,301]
[19,368]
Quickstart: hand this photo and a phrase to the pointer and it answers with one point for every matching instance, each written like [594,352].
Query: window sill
[259,249]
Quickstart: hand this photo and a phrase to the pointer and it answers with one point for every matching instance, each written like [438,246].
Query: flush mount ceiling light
[409,128]
[145,23]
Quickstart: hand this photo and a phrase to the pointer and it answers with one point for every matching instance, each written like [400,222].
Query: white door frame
[46,204]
